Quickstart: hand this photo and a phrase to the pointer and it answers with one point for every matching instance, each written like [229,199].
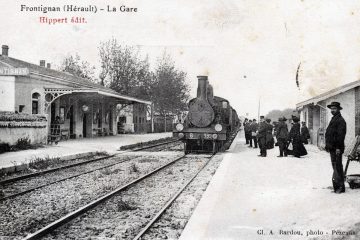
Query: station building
[85,109]
[317,116]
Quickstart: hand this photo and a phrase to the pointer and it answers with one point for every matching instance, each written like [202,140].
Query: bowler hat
[335,104]
[295,118]
[262,117]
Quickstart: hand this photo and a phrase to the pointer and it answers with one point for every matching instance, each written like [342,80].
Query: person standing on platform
[269,135]
[295,138]
[304,131]
[254,127]
[334,144]
[261,135]
[282,136]
[246,130]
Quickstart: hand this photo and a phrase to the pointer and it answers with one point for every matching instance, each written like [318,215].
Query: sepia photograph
[179,120]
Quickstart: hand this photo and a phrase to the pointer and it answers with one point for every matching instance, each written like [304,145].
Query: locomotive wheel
[215,147]
[221,147]
[196,146]
[187,147]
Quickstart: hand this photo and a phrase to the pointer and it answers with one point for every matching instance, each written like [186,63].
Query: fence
[14,126]
[158,127]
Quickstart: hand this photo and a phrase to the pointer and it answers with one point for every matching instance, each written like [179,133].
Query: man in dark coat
[282,136]
[246,131]
[334,143]
[295,138]
[304,131]
[261,135]
[269,135]
[254,127]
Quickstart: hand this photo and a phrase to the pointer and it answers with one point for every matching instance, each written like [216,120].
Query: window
[35,103]
[21,108]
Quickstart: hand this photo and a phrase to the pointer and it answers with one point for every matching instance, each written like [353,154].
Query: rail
[168,203]
[56,224]
[12,180]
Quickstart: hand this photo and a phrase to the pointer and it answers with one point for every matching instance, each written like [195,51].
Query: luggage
[353,154]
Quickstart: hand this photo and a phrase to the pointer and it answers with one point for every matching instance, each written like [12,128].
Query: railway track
[7,184]
[56,225]
[145,229]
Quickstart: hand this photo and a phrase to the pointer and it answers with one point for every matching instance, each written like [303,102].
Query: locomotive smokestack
[201,91]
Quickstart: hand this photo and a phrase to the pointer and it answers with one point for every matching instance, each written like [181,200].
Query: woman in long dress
[296,140]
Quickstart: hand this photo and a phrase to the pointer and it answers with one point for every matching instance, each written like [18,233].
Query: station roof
[66,78]
[328,94]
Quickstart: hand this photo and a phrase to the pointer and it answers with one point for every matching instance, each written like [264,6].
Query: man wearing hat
[253,128]
[261,135]
[282,136]
[246,130]
[334,144]
[269,134]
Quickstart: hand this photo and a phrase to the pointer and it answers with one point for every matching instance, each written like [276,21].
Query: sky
[249,49]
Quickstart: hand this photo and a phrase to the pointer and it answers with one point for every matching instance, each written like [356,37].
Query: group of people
[262,135]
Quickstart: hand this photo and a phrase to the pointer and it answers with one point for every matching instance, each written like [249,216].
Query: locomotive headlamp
[181,135]
[85,108]
[179,127]
[218,127]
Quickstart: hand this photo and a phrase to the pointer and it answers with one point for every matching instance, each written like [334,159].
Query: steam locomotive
[211,123]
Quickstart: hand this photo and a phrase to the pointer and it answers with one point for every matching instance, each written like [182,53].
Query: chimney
[42,63]
[5,50]
[48,65]
[201,91]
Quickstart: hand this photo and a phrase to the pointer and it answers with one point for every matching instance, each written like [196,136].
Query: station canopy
[69,83]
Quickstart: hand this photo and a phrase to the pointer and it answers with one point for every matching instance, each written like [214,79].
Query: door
[121,125]
[100,118]
[110,122]
[84,125]
[71,116]
[52,112]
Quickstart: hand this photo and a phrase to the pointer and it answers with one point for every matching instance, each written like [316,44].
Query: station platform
[77,147]
[252,197]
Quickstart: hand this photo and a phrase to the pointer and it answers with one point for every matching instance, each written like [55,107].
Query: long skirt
[270,142]
[298,149]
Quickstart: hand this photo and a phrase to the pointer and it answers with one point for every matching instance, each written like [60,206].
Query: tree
[123,71]
[274,115]
[77,67]
[169,91]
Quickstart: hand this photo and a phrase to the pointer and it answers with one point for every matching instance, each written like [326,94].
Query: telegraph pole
[259,110]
